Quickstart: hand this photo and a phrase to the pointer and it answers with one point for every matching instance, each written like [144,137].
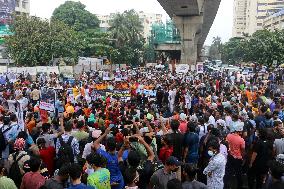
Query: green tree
[234,50]
[215,48]
[36,41]
[126,29]
[96,43]
[76,16]
[265,46]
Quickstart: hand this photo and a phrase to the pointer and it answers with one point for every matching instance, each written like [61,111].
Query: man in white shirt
[88,147]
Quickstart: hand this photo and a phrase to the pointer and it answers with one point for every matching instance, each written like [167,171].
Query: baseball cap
[173,161]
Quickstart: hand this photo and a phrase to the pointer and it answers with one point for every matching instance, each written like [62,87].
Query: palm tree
[126,27]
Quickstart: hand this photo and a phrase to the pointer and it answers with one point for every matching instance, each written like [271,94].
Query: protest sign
[106,76]
[182,68]
[152,93]
[47,100]
[123,95]
[199,67]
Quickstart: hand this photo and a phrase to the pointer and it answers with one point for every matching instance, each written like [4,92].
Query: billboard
[7,7]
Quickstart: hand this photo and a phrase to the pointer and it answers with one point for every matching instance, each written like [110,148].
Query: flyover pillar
[190,31]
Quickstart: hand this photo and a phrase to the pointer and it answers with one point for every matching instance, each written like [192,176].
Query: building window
[259,24]
[261,17]
[24,4]
[17,3]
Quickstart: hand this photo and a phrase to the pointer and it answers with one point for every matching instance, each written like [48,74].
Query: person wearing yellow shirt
[70,109]
[75,91]
[103,86]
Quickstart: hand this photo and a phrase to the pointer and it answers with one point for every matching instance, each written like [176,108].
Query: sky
[221,27]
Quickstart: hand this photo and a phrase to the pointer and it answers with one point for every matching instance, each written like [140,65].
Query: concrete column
[190,30]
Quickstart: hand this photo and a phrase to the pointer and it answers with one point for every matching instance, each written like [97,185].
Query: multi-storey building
[256,11]
[239,23]
[147,19]
[22,7]
[274,21]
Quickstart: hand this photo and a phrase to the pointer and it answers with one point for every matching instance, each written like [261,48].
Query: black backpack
[3,141]
[65,152]
[15,172]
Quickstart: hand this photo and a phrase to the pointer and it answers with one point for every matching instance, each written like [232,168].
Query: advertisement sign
[7,7]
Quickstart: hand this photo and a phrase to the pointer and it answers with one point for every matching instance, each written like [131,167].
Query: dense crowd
[189,131]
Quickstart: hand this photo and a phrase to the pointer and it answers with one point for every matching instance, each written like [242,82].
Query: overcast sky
[222,25]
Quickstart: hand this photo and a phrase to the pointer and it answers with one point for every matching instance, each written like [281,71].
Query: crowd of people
[210,130]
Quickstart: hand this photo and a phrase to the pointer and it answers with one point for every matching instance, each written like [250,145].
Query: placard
[199,67]
[182,68]
[47,99]
[3,69]
[106,76]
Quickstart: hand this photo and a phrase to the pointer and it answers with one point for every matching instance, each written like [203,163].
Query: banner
[21,70]
[182,68]
[3,69]
[41,69]
[66,70]
[7,7]
[123,95]
[152,93]
[95,94]
[52,69]
[31,70]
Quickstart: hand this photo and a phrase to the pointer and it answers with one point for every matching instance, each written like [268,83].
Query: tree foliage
[233,51]
[262,47]
[76,16]
[215,48]
[126,29]
[36,41]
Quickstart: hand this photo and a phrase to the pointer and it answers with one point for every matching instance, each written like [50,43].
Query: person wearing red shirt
[33,179]
[47,154]
[167,149]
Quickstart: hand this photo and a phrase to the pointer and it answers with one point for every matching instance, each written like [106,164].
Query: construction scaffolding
[164,34]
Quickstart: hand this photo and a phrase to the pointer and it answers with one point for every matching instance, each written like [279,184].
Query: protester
[75,173]
[215,170]
[33,179]
[5,182]
[161,177]
[134,131]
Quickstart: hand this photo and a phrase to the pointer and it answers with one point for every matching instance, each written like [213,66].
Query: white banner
[53,69]
[31,70]
[41,69]
[182,68]
[46,106]
[3,69]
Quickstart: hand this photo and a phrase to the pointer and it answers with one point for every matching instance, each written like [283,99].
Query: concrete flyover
[194,19]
